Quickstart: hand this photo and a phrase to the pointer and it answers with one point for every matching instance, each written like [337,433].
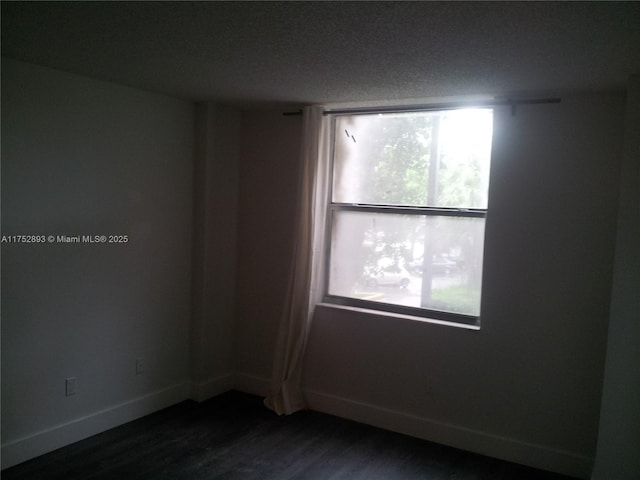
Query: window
[407,211]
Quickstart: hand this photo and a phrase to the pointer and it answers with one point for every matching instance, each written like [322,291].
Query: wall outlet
[70,386]
[139,366]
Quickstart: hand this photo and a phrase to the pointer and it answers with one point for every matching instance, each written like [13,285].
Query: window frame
[333,207]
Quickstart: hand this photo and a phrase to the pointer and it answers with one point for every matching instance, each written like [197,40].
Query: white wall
[268,174]
[527,386]
[216,215]
[618,454]
[86,157]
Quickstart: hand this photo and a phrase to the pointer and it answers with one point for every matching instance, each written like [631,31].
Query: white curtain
[304,289]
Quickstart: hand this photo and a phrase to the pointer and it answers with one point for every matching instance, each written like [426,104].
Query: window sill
[380,313]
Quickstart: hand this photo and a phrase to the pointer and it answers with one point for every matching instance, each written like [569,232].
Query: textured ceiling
[253,54]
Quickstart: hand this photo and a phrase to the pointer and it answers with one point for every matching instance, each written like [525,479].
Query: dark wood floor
[234,437]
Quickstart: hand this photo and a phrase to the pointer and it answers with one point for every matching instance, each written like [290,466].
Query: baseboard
[201,391]
[508,449]
[246,383]
[20,450]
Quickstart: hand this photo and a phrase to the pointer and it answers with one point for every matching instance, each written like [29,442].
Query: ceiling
[257,54]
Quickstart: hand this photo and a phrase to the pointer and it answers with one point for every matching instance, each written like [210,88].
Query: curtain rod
[436,106]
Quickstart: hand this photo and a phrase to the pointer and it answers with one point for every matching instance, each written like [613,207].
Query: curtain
[304,288]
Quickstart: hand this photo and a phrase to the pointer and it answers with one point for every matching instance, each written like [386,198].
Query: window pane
[437,159]
[432,262]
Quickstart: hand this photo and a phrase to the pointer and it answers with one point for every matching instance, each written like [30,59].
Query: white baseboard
[509,449]
[20,450]
[246,383]
[201,391]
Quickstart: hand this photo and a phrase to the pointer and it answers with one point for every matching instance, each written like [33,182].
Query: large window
[407,212]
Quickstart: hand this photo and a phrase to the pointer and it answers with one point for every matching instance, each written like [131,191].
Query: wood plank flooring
[233,437]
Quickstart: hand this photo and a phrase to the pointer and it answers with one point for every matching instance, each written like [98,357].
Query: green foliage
[399,156]
[456,299]
[459,184]
[394,162]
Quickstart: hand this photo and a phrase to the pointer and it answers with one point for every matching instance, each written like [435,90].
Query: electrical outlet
[70,386]
[139,366]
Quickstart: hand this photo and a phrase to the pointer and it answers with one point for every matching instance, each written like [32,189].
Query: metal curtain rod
[436,106]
